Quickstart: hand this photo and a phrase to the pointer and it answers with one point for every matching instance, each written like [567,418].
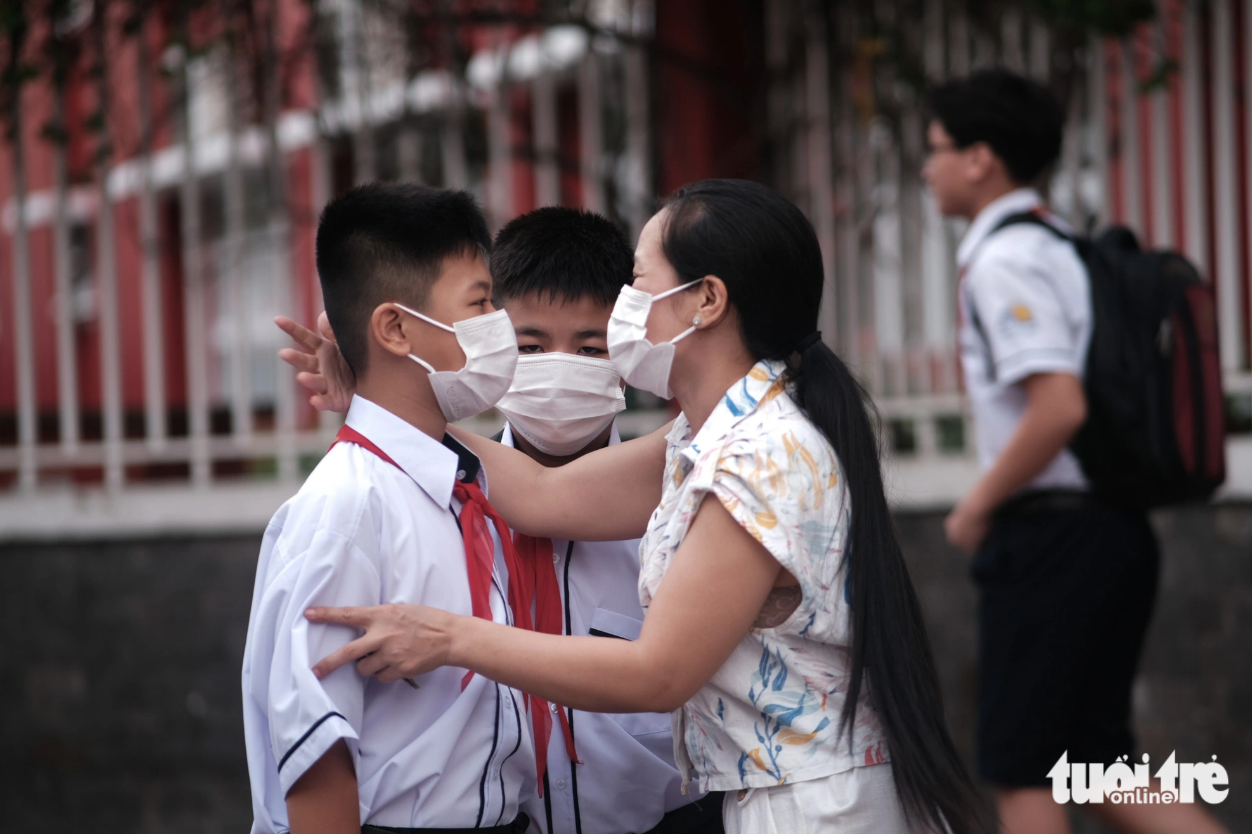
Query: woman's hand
[713,591]
[400,641]
[320,366]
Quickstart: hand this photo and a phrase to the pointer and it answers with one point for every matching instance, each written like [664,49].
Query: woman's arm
[711,594]
[606,495]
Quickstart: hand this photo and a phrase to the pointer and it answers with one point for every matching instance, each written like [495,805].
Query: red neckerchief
[523,579]
[539,571]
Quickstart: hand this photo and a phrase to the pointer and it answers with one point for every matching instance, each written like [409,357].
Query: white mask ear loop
[424,318]
[429,367]
[694,322]
[673,291]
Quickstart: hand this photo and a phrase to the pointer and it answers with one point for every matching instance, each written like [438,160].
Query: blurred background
[161,171]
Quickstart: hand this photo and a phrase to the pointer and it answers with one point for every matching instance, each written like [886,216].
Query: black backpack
[1155,430]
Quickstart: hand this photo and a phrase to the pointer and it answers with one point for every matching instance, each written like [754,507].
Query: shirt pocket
[615,626]
[606,623]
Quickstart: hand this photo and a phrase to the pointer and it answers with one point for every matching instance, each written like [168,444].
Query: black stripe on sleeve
[482,783]
[319,722]
[573,766]
[517,715]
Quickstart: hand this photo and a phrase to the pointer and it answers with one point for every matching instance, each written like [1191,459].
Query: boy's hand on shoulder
[400,641]
[320,366]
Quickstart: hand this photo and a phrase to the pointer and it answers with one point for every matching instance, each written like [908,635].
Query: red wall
[709,69]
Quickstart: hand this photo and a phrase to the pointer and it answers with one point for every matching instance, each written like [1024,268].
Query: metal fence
[193,423]
[1158,138]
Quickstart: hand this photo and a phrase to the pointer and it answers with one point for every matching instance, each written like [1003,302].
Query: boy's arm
[1055,409]
[307,717]
[1029,337]
[324,800]
[607,495]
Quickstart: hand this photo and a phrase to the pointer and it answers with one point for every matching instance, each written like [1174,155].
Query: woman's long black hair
[766,252]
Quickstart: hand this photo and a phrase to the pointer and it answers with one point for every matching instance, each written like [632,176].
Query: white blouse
[770,715]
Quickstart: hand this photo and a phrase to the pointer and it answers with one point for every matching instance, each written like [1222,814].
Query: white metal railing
[889,256]
[846,136]
[236,274]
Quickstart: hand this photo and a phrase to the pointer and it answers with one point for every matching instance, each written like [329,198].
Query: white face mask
[641,363]
[490,348]
[560,402]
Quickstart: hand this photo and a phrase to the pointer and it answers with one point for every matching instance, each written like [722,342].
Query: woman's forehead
[648,251]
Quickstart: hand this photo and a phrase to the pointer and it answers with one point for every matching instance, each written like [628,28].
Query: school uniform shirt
[771,714]
[363,532]
[627,780]
[1032,296]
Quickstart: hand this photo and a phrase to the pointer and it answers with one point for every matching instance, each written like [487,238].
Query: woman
[786,636]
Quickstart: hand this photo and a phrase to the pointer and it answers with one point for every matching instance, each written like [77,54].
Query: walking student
[781,629]
[1066,584]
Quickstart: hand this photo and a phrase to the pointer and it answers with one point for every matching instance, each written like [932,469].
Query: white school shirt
[362,532]
[1033,297]
[627,780]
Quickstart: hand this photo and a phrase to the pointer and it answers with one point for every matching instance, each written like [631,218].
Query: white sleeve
[307,716]
[1023,320]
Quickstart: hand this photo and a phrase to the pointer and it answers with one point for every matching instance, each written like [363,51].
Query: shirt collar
[432,465]
[740,400]
[1015,202]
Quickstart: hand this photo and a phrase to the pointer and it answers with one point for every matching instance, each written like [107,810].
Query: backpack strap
[1035,217]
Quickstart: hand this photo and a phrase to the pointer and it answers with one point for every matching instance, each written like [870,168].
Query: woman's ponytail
[891,654]
[765,251]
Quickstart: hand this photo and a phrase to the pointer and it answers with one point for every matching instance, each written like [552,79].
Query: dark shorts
[1065,595]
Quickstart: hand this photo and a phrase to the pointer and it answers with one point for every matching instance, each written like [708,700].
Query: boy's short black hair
[1020,119]
[564,254]
[387,242]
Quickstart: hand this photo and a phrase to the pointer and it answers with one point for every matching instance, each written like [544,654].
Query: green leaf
[1159,78]
[1104,17]
[55,133]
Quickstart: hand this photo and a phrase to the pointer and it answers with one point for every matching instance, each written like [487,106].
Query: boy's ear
[982,161]
[389,327]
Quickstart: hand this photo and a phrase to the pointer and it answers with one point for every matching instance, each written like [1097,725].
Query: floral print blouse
[770,715]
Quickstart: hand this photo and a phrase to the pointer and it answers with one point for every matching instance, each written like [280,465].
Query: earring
[695,322]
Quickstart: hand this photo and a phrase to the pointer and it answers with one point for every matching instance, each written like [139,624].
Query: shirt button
[556,559]
[553,707]
[560,784]
[460,474]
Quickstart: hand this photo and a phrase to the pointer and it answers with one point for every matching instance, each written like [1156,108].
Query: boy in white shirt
[558,271]
[1066,583]
[395,513]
